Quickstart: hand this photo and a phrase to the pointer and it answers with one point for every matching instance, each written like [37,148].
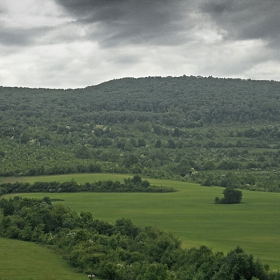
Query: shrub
[231,196]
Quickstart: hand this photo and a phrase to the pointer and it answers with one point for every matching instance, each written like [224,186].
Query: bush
[231,196]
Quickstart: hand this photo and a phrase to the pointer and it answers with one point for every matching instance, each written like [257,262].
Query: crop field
[189,213]
[21,260]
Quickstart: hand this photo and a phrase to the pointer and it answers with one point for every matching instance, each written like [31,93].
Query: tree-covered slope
[160,127]
[171,101]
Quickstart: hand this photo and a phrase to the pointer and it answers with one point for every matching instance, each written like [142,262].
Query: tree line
[135,184]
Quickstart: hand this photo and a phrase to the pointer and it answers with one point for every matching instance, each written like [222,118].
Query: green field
[80,178]
[21,260]
[189,213]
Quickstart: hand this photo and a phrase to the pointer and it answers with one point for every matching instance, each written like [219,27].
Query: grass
[189,213]
[81,178]
[21,260]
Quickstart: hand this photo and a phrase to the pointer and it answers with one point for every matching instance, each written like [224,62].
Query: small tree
[136,180]
[231,196]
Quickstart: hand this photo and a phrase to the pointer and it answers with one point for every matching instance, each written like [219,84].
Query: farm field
[189,213]
[21,260]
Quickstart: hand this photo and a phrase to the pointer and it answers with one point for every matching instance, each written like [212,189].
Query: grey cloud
[94,10]
[156,20]
[2,10]
[127,60]
[252,19]
[13,37]
[109,10]
[20,36]
[130,21]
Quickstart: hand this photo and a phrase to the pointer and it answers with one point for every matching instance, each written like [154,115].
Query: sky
[78,43]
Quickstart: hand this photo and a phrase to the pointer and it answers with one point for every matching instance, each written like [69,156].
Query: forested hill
[180,102]
[208,130]
[184,101]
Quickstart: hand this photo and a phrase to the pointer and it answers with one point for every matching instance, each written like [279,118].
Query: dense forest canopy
[179,102]
[212,131]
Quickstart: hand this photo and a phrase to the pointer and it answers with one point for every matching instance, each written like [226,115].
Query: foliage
[136,184]
[188,212]
[180,128]
[121,250]
[231,196]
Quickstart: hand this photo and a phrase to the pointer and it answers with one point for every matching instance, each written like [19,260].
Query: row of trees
[135,184]
[121,251]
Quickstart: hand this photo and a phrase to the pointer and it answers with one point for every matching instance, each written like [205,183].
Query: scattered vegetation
[120,250]
[189,213]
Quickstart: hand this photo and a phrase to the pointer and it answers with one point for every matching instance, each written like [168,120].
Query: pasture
[21,260]
[189,213]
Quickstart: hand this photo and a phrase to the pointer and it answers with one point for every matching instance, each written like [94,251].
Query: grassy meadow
[189,213]
[21,260]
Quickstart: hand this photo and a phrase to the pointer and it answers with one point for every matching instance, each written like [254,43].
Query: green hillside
[21,260]
[207,130]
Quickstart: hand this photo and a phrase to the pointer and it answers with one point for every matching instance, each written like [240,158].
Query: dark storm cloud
[111,10]
[130,21]
[92,10]
[250,19]
[168,22]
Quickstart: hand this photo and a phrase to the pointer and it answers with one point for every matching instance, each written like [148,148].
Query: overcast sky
[77,43]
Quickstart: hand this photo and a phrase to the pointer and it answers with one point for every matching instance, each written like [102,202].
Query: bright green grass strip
[21,260]
[80,178]
[190,214]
